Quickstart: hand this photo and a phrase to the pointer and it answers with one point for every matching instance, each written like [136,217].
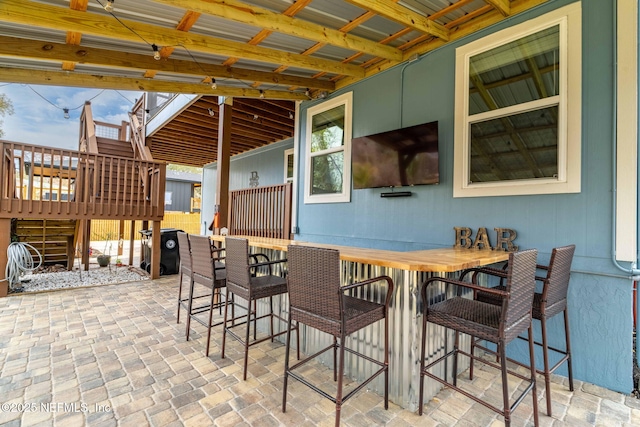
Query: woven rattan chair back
[554,293]
[204,273]
[237,261]
[314,282]
[319,300]
[184,250]
[521,286]
[202,257]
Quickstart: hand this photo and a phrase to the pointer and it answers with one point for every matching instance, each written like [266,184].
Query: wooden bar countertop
[444,260]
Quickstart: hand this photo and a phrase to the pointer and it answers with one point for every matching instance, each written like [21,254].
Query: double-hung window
[328,151]
[518,109]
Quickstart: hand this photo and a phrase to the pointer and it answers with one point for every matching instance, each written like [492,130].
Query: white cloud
[38,117]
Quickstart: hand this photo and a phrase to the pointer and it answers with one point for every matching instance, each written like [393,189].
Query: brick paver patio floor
[114,355]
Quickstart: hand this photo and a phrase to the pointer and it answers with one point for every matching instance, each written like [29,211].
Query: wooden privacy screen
[261,211]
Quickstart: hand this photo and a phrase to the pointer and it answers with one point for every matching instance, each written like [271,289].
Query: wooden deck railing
[136,124]
[261,211]
[43,182]
[88,137]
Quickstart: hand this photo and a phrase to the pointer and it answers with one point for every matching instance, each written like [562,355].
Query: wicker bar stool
[184,250]
[207,270]
[317,300]
[499,324]
[242,281]
[546,304]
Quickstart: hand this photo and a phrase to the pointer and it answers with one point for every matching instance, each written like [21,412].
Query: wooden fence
[108,230]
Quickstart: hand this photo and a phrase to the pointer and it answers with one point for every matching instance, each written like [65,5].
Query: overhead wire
[155,47]
[63,108]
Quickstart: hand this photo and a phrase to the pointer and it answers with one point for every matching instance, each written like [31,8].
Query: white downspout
[625,137]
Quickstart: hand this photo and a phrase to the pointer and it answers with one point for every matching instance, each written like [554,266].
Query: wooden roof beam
[25,12]
[501,6]
[60,78]
[263,34]
[404,16]
[37,49]
[263,18]
[73,37]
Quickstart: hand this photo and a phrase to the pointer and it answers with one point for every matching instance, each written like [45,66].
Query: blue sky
[36,121]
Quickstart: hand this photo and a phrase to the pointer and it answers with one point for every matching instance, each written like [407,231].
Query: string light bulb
[211,112]
[66,113]
[214,85]
[307,92]
[290,115]
[109,6]
[156,52]
[261,94]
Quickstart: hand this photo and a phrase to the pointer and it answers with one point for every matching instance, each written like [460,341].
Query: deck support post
[223,160]
[86,242]
[5,241]
[155,250]
[132,241]
[120,237]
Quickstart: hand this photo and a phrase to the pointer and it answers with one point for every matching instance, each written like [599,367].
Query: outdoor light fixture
[156,52]
[66,113]
[109,6]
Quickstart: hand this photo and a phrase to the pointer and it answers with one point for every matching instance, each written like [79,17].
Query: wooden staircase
[54,239]
[114,147]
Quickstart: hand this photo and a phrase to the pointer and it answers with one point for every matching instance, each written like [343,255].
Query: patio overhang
[266,54]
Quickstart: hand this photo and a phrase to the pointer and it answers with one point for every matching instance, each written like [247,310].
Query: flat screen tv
[397,158]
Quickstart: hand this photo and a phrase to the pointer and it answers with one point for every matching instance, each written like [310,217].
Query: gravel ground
[59,278]
[72,279]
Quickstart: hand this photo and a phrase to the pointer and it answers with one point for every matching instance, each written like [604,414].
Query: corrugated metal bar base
[405,324]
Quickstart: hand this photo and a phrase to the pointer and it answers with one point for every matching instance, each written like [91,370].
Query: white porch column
[627,132]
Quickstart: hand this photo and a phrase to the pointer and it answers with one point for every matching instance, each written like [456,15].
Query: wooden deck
[43,182]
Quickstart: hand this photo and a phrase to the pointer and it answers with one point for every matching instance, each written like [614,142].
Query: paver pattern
[113,355]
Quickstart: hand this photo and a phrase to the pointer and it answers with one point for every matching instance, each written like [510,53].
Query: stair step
[114,147]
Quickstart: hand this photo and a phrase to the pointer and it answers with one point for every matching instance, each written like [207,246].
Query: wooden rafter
[404,16]
[36,49]
[73,37]
[262,18]
[501,5]
[55,18]
[20,75]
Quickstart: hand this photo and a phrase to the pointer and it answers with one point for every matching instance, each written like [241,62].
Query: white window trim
[345,195]
[288,153]
[570,108]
